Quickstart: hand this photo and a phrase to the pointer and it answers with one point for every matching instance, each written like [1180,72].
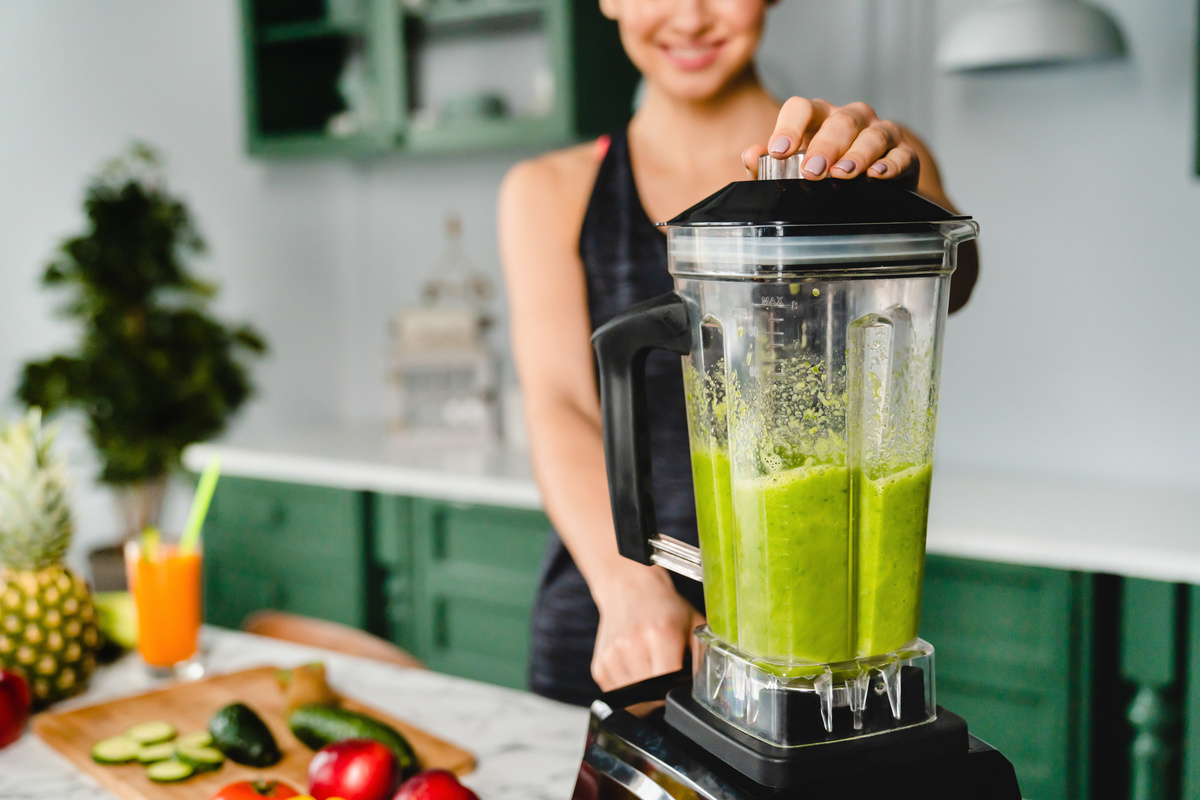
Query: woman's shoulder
[560,181]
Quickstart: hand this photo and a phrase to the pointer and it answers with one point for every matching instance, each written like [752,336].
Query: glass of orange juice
[165,582]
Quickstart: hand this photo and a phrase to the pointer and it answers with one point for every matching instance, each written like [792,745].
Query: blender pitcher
[809,315]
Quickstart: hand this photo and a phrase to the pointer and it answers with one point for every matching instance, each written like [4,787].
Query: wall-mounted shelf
[478,15]
[291,31]
[432,77]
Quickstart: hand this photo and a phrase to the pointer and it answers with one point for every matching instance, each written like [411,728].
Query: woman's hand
[839,142]
[645,628]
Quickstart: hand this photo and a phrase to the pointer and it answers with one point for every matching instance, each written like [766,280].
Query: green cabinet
[284,546]
[474,573]
[357,77]
[1013,658]
[451,583]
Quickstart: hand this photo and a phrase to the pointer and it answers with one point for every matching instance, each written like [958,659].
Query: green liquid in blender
[792,565]
[892,515]
[714,522]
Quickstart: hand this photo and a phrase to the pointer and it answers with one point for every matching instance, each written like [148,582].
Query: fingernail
[815,165]
[781,144]
[880,169]
[845,165]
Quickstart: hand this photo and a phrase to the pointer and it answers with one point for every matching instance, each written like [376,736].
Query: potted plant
[153,371]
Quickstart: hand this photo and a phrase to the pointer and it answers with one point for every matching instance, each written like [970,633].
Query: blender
[809,317]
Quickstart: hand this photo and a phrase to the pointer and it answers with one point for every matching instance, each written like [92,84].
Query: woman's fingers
[649,649]
[839,142]
[798,120]
[666,651]
[869,146]
[750,158]
[624,661]
[900,163]
[834,137]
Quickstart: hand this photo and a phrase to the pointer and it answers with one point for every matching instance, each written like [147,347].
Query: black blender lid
[828,202]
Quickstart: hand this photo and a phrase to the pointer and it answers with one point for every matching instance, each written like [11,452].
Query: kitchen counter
[370,460]
[1090,526]
[527,748]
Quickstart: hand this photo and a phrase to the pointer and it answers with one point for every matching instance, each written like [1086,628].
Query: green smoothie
[793,564]
[892,516]
[799,537]
[714,522]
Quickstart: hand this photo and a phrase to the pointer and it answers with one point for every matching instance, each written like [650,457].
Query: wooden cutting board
[188,706]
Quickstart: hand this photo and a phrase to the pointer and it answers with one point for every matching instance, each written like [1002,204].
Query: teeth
[690,52]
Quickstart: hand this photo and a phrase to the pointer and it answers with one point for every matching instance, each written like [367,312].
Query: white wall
[1078,355]
[1074,357]
[78,81]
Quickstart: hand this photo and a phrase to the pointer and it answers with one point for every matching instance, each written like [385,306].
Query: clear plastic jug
[809,316]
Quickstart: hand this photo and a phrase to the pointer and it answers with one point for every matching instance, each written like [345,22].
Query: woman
[578,247]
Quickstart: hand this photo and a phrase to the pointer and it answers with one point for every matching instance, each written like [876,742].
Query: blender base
[771,765]
[650,758]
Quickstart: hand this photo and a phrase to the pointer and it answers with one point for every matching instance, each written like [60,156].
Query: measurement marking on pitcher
[775,321]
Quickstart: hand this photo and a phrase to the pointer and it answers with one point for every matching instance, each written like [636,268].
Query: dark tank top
[625,262]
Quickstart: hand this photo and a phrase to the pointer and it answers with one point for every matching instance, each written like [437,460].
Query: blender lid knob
[775,169]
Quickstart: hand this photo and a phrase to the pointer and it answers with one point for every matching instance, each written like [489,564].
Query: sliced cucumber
[152,732]
[169,771]
[115,750]
[151,753]
[202,759]
[197,739]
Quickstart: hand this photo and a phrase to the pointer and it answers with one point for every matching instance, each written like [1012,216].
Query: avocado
[241,734]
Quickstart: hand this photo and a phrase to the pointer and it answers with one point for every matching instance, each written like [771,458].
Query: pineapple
[47,621]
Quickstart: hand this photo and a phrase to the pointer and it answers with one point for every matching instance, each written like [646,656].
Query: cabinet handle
[441,625]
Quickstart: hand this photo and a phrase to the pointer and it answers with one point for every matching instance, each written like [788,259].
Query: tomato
[14,706]
[255,790]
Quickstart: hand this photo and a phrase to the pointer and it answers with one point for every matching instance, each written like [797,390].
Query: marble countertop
[527,748]
[1126,529]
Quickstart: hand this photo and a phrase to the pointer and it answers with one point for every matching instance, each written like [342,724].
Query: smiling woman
[579,247]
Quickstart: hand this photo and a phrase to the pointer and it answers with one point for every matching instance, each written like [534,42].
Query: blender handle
[622,345]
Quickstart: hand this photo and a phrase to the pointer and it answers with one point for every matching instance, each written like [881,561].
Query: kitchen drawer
[475,571]
[287,547]
[1013,652]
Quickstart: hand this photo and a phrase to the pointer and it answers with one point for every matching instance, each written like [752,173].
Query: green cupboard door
[392,613]
[1191,713]
[475,571]
[1013,651]
[284,546]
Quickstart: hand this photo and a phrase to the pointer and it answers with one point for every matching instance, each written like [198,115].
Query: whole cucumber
[318,725]
[241,734]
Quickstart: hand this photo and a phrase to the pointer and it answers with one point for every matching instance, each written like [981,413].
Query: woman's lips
[692,57]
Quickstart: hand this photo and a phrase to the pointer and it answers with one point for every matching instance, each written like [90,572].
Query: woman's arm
[644,624]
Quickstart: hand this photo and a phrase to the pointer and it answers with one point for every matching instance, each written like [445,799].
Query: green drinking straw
[199,510]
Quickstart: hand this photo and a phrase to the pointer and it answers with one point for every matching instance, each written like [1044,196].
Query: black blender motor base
[684,745]
[942,740]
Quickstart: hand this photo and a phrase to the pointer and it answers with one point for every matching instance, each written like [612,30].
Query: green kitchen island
[1065,614]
